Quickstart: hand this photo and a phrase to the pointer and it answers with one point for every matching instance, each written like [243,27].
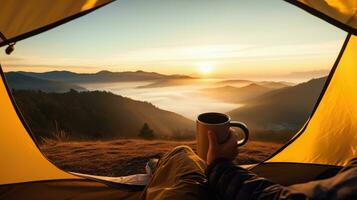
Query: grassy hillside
[127,157]
[282,109]
[20,81]
[97,115]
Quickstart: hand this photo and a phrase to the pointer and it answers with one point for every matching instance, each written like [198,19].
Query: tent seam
[324,17]
[50,26]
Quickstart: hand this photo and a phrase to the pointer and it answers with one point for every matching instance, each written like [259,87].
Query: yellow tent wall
[21,160]
[330,137]
[21,19]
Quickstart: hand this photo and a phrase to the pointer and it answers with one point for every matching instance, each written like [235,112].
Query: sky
[211,38]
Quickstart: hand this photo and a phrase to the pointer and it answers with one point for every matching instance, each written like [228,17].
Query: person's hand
[227,150]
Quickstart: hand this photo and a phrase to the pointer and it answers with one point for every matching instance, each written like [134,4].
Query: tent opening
[116,93]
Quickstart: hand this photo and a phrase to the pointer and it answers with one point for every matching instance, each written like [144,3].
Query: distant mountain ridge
[102,76]
[20,81]
[282,109]
[243,82]
[236,94]
[170,83]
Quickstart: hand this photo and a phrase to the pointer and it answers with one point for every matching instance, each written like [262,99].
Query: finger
[233,139]
[235,136]
[233,132]
[235,155]
[212,139]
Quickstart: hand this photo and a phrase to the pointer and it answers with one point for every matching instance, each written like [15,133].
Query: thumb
[212,140]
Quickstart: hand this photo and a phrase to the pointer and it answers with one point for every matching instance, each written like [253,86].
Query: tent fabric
[281,172]
[330,136]
[341,13]
[21,19]
[21,160]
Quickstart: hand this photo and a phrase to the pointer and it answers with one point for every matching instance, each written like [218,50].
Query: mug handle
[244,127]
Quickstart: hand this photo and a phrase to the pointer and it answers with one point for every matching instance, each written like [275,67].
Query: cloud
[8,59]
[251,60]
[225,53]
[312,73]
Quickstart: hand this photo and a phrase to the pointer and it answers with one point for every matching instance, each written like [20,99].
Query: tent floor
[65,189]
[283,173]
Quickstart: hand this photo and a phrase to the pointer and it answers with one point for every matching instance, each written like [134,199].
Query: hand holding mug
[217,128]
[227,150]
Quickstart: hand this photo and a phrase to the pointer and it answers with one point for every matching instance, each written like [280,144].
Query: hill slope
[102,76]
[275,85]
[242,83]
[23,82]
[282,109]
[170,82]
[236,94]
[97,115]
[235,82]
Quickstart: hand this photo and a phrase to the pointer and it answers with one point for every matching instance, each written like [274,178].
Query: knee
[183,148]
[179,150]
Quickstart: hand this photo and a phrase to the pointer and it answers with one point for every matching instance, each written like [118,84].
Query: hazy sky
[217,37]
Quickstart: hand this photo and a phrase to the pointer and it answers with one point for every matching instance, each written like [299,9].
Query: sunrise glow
[205,68]
[210,46]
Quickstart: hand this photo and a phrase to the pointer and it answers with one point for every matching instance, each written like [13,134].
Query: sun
[205,68]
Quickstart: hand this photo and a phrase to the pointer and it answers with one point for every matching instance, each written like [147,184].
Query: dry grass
[129,156]
[56,136]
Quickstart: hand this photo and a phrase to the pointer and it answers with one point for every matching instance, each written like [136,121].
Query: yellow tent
[325,143]
[328,139]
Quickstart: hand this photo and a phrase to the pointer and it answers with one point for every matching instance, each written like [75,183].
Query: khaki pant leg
[180,174]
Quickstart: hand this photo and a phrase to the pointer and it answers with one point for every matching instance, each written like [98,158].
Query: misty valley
[108,115]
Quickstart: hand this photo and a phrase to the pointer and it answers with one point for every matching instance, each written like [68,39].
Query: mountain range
[282,109]
[170,82]
[236,94]
[20,81]
[267,106]
[242,83]
[63,81]
[101,76]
